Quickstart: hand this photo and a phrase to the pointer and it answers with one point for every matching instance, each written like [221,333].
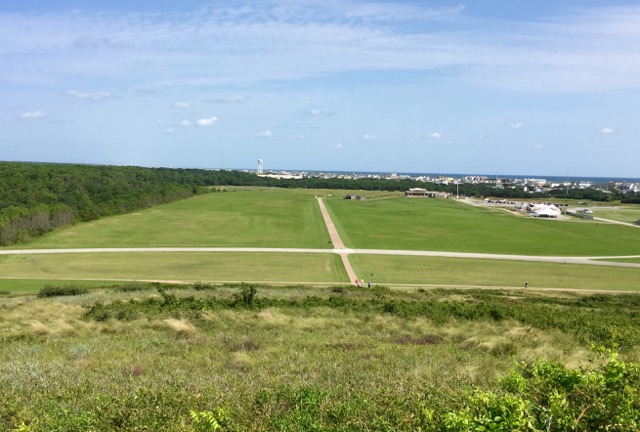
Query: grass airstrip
[239,218]
[447,225]
[276,218]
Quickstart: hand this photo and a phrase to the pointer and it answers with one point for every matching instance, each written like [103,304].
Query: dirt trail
[337,242]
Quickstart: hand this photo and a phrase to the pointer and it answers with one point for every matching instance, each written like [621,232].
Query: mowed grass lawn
[446,225]
[436,271]
[238,218]
[622,214]
[171,266]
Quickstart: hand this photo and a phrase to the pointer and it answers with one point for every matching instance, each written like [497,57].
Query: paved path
[586,260]
[617,222]
[337,241]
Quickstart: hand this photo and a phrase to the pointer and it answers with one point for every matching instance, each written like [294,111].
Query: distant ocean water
[553,179]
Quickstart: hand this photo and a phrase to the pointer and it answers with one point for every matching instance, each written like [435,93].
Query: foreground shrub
[133,287]
[246,295]
[57,291]
[203,286]
[547,396]
[210,421]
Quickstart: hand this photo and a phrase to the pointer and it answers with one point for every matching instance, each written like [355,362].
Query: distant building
[423,193]
[544,210]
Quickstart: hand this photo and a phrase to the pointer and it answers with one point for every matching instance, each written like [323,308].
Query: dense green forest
[38,197]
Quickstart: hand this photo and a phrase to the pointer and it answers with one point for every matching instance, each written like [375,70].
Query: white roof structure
[547,211]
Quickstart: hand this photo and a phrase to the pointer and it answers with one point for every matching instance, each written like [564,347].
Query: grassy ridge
[446,225]
[297,358]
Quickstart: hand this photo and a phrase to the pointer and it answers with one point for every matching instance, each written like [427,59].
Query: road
[586,260]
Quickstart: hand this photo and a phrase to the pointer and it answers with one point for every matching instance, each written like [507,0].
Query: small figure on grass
[526,284]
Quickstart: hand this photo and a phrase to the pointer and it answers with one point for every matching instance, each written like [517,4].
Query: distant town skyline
[490,86]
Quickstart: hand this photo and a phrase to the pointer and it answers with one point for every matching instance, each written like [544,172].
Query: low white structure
[420,192]
[544,210]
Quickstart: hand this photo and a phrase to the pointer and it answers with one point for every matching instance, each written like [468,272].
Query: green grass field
[621,214]
[29,286]
[239,218]
[429,272]
[291,218]
[192,266]
[446,225]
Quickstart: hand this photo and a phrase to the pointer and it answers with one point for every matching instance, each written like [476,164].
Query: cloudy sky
[485,87]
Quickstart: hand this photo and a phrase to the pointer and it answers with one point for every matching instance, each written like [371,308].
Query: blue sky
[487,87]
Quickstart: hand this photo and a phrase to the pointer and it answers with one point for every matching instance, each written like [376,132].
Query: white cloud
[89,96]
[207,121]
[516,125]
[369,136]
[34,115]
[169,130]
[573,52]
[229,99]
[435,135]
[388,11]
[181,105]
[185,123]
[265,134]
[337,146]
[320,112]
[607,131]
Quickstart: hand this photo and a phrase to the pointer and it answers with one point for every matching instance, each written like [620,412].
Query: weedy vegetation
[253,357]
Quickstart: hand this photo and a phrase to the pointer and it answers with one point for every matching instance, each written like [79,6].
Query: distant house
[423,193]
[355,197]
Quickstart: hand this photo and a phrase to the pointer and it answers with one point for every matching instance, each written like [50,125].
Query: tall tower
[259,172]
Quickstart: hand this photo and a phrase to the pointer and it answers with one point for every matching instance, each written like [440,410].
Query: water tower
[259,172]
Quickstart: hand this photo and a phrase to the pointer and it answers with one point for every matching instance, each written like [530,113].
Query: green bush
[132,287]
[58,291]
[547,396]
[246,296]
[202,286]
[211,421]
